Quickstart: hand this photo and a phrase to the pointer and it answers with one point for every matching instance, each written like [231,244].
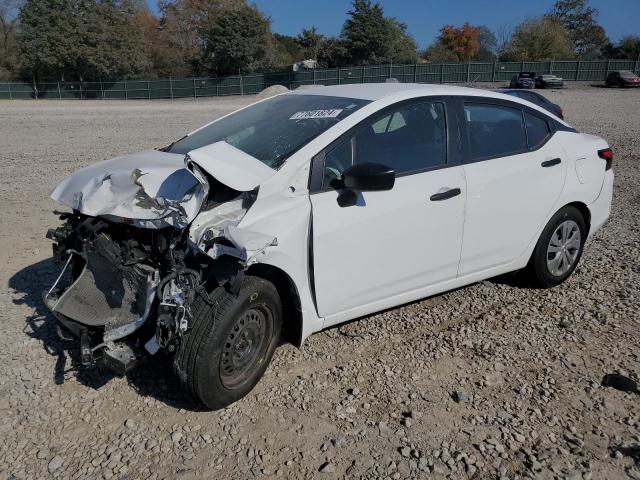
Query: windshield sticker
[333,113]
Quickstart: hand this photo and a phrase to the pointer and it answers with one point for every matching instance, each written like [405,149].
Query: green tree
[79,39]
[310,41]
[287,49]
[160,59]
[629,47]
[8,45]
[543,38]
[187,25]
[369,37]
[488,45]
[45,40]
[333,53]
[439,53]
[588,37]
[240,40]
[108,44]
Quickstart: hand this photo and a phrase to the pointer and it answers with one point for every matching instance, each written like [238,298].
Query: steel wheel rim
[564,248]
[246,343]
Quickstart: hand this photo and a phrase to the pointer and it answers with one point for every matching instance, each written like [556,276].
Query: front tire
[559,248]
[231,344]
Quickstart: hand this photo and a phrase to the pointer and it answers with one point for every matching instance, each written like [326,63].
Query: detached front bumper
[103,307]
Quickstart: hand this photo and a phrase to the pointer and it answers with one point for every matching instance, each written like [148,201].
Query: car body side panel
[286,217]
[389,243]
[588,167]
[600,209]
[292,175]
[509,198]
[574,192]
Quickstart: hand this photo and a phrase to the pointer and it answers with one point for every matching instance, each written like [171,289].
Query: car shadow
[153,379]
[514,279]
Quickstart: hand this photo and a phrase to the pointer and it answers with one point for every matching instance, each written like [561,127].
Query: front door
[395,241]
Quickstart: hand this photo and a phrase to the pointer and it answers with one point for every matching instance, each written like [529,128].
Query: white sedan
[313,208]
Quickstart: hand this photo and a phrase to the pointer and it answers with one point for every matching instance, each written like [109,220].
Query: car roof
[378,91]
[402,91]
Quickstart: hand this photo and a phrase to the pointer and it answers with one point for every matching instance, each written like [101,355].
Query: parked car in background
[523,80]
[622,78]
[313,208]
[535,98]
[549,81]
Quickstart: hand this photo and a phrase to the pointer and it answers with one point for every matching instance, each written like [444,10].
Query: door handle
[551,163]
[452,192]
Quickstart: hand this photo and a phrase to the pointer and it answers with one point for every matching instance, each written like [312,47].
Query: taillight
[607,155]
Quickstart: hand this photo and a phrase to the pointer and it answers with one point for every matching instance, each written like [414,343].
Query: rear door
[392,242]
[515,173]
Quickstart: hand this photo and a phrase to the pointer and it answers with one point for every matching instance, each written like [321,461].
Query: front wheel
[231,343]
[559,248]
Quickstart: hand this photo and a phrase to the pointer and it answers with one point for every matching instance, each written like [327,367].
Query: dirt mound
[272,91]
[305,87]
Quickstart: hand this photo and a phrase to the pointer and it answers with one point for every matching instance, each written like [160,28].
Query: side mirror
[368,177]
[365,177]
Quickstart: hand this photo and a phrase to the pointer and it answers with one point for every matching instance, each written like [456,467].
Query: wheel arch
[292,323]
[580,206]
[584,211]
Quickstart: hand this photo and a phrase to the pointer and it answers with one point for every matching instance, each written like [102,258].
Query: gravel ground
[489,381]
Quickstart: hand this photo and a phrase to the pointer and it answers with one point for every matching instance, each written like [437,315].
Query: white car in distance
[312,208]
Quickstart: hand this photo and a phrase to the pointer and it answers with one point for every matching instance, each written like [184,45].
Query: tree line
[68,40]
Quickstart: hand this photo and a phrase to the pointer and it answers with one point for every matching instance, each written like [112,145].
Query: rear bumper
[601,208]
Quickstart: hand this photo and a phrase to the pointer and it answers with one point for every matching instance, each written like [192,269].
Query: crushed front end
[145,234]
[114,278]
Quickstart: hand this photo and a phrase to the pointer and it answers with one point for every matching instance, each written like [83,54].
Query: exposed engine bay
[127,284]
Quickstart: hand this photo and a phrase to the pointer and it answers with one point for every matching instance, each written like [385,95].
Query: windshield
[274,129]
[627,74]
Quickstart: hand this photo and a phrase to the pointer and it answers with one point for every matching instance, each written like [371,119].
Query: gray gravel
[490,381]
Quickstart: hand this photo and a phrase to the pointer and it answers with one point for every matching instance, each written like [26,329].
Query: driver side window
[410,138]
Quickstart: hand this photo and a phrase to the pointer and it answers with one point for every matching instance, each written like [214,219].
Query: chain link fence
[573,70]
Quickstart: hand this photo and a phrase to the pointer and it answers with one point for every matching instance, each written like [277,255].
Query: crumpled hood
[231,166]
[154,189]
[151,189]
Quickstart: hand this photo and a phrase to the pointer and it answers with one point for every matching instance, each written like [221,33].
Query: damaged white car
[313,208]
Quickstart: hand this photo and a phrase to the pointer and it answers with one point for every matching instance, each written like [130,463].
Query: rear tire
[559,248]
[231,344]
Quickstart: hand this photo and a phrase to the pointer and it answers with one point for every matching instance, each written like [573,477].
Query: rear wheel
[231,343]
[559,248]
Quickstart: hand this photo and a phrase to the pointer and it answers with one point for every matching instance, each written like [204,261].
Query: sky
[425,17]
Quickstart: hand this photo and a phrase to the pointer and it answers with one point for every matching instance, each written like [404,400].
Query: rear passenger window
[537,130]
[494,130]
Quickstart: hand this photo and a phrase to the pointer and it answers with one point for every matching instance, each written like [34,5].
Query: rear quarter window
[537,130]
